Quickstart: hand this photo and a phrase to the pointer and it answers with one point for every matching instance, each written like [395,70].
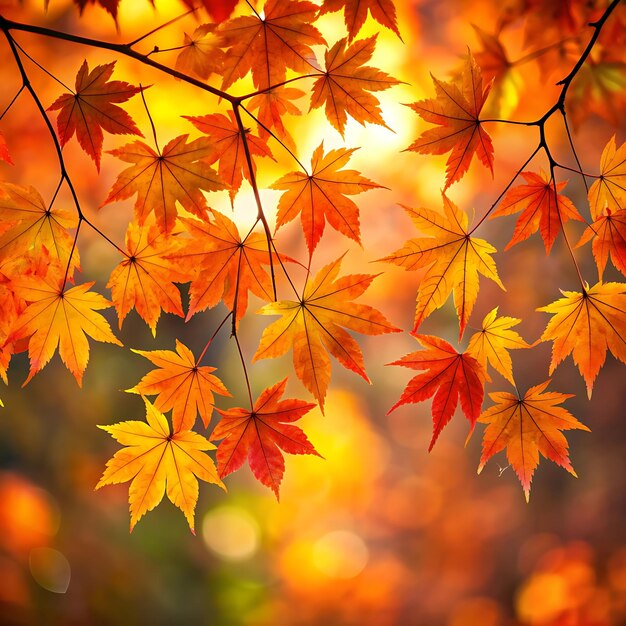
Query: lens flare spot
[50,569]
[340,554]
[231,533]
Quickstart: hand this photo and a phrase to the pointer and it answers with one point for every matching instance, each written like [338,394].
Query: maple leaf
[452,260]
[28,224]
[91,109]
[609,190]
[492,343]
[608,232]
[272,105]
[344,88]
[12,304]
[585,325]
[201,55]
[160,179]
[110,6]
[598,88]
[228,148]
[144,279]
[355,13]
[181,385]
[223,266]
[322,195]
[543,208]
[455,109]
[313,327]
[527,426]
[450,376]
[507,79]
[159,461]
[260,434]
[4,151]
[219,10]
[268,45]
[59,318]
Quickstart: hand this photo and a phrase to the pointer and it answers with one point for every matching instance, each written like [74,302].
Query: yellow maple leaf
[61,318]
[492,343]
[609,190]
[158,461]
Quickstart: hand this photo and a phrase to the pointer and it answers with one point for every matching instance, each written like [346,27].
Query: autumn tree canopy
[247,214]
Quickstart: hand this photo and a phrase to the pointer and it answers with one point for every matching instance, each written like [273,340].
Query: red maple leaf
[451,376]
[259,435]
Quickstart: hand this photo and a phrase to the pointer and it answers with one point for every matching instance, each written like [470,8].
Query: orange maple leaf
[609,190]
[260,434]
[181,385]
[452,259]
[355,13]
[543,208]
[144,280]
[313,327]
[159,461]
[223,266]
[29,225]
[36,264]
[91,109]
[344,88]
[455,109]
[161,179]
[527,426]
[269,42]
[61,318]
[322,195]
[608,233]
[201,55]
[507,78]
[598,88]
[451,376]
[228,148]
[272,105]
[585,325]
[492,343]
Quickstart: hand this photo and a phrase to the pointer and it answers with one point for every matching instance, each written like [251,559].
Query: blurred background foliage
[379,532]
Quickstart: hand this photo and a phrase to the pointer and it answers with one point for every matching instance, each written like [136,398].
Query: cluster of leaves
[176,238]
